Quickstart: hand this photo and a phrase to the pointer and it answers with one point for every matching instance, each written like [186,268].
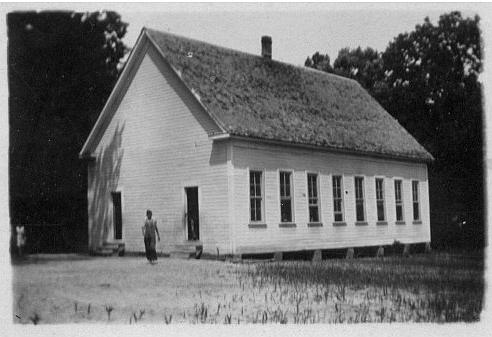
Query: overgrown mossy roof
[252,96]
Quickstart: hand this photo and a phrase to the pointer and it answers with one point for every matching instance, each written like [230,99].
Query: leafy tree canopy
[365,66]
[320,62]
[432,80]
[62,67]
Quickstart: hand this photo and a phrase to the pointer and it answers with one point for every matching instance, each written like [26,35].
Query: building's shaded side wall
[271,159]
[155,145]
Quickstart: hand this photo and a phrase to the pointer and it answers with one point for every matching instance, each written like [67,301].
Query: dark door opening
[117,216]
[192,213]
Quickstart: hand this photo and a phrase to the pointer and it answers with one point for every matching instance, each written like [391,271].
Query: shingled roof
[252,96]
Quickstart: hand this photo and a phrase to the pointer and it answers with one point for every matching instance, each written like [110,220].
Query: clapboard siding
[155,145]
[270,159]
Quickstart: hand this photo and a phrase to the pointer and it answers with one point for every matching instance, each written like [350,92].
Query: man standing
[21,239]
[149,230]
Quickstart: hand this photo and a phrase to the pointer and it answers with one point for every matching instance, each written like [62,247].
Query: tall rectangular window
[415,198]
[337,198]
[255,196]
[398,200]
[313,199]
[380,199]
[359,199]
[285,197]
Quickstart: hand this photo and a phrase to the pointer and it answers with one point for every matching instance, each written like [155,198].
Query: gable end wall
[154,146]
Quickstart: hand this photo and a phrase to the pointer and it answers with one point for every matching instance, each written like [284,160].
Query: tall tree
[433,90]
[61,67]
[320,62]
[365,66]
[432,74]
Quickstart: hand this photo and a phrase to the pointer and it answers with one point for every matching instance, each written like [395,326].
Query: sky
[297,30]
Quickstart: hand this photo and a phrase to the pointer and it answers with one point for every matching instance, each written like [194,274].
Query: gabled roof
[251,96]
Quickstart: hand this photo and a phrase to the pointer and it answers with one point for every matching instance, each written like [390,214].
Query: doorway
[117,216]
[192,216]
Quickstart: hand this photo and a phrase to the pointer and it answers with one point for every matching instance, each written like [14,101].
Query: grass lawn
[71,288]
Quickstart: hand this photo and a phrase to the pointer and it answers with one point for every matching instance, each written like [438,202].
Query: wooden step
[113,245]
[188,244]
[111,248]
[186,250]
[183,249]
[181,255]
[104,252]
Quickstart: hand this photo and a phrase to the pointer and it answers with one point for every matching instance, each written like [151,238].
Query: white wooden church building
[244,154]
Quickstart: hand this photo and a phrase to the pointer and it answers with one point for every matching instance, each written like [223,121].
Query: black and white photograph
[246,164]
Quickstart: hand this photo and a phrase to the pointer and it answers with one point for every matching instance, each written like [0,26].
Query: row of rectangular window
[286,209]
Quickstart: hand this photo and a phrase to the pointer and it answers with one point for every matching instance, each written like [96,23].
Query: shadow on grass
[48,258]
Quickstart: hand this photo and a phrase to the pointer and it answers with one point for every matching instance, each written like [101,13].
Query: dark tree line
[428,79]
[61,69]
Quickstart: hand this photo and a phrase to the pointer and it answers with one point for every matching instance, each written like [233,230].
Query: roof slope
[255,97]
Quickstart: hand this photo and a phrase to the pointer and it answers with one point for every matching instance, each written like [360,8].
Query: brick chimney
[266,47]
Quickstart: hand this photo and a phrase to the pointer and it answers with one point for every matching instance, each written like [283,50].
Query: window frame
[342,201]
[363,221]
[318,197]
[262,191]
[416,193]
[399,202]
[380,200]
[291,197]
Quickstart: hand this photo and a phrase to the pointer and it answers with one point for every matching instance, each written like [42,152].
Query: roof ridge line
[301,67]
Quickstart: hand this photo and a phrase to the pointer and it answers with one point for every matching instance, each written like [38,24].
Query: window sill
[361,223]
[382,223]
[257,225]
[417,222]
[315,224]
[339,223]
[400,223]
[287,225]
